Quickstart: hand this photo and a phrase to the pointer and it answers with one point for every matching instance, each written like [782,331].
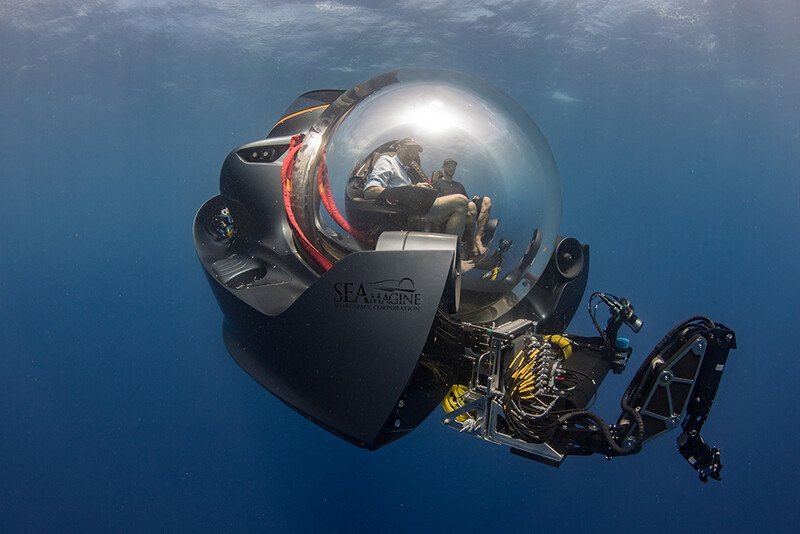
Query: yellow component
[523,370]
[563,342]
[515,359]
[454,400]
[491,275]
[528,381]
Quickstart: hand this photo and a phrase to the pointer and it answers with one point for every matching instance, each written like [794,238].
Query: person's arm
[378,178]
[373,192]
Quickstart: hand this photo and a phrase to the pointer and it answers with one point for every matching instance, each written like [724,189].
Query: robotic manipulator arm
[532,391]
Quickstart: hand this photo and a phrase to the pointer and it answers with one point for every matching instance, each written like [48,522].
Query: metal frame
[697,345]
[485,404]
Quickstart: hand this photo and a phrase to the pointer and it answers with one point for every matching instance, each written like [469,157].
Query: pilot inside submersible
[355,292]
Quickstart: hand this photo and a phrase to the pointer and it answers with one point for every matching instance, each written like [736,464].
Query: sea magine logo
[392,295]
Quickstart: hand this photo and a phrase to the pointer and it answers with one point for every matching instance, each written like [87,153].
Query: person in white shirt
[403,169]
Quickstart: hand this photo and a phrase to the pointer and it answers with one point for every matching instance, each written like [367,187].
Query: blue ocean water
[676,128]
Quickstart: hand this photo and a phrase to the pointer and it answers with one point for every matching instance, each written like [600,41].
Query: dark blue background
[676,127]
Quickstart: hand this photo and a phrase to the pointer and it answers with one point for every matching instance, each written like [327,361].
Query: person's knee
[456,202]
[472,209]
[487,203]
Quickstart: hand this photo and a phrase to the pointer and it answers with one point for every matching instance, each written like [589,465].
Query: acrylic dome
[500,153]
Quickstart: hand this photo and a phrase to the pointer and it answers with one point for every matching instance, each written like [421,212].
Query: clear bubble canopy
[382,147]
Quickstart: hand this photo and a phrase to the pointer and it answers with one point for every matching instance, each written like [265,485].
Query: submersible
[395,247]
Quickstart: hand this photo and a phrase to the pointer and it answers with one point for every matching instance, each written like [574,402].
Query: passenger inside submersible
[448,211]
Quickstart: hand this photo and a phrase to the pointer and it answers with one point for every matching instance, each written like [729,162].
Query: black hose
[603,426]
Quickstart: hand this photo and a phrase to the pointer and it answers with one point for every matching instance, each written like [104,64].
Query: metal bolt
[397,423]
[401,403]
[673,421]
[699,346]
[665,377]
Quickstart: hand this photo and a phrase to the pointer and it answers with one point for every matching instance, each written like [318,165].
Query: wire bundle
[533,383]
[455,399]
